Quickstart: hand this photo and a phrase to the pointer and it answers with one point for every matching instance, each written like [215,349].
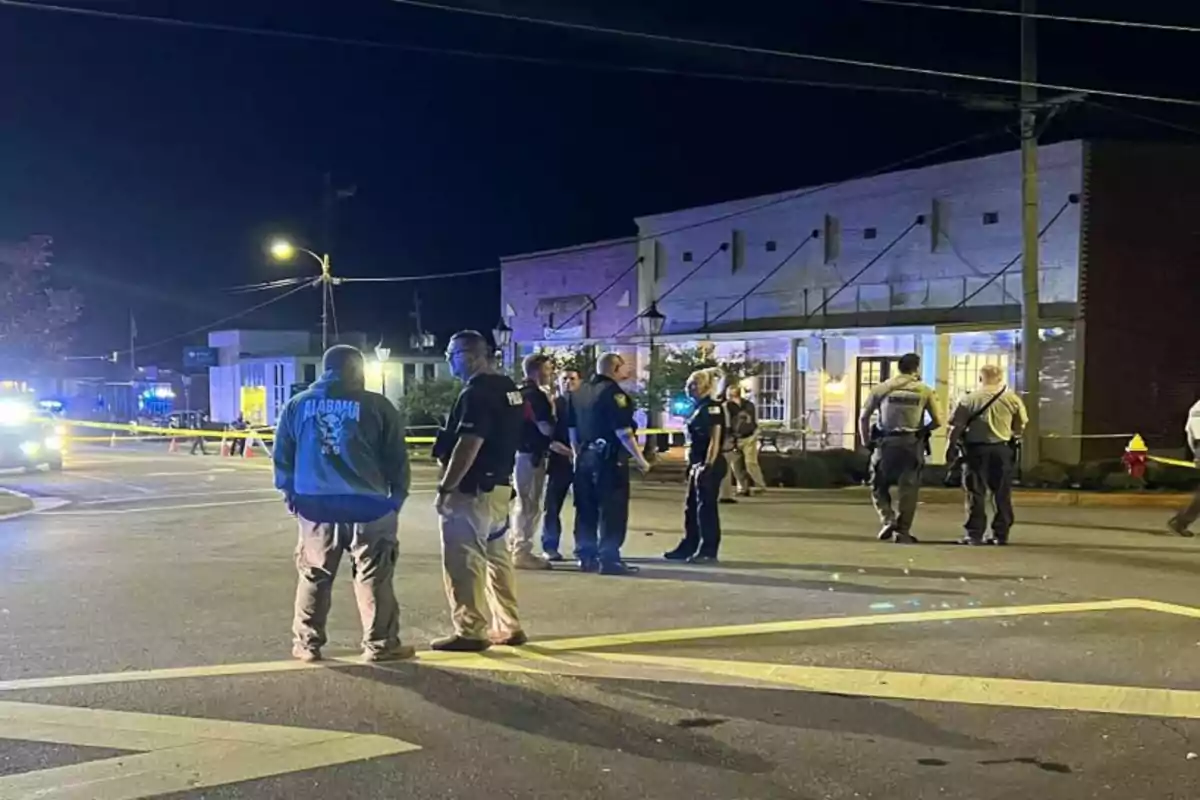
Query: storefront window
[772,384]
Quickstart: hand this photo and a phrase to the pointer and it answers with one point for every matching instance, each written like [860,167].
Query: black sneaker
[703,560]
[998,541]
[589,565]
[677,555]
[618,568]
[886,532]
[460,644]
[727,500]
[971,541]
[553,556]
[904,538]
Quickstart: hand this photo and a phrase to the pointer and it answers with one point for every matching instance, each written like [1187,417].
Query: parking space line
[174,496]
[965,689]
[829,623]
[111,482]
[154,509]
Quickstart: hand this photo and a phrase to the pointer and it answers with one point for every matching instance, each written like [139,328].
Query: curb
[27,502]
[1029,498]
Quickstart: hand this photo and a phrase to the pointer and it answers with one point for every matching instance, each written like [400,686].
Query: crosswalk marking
[173,754]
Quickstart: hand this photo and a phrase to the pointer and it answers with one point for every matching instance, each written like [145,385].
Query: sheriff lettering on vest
[899,440]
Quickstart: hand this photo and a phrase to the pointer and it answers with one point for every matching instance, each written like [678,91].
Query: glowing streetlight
[283,250]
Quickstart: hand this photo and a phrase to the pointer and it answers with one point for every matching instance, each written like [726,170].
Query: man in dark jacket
[341,464]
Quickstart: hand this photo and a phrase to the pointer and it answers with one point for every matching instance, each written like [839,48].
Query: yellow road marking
[829,623]
[971,690]
[502,657]
[175,753]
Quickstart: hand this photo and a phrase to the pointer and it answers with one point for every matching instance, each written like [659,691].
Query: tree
[34,316]
[670,367]
[428,403]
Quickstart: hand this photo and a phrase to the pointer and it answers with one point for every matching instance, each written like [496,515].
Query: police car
[29,439]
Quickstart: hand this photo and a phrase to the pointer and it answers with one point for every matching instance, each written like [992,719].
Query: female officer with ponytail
[706,468]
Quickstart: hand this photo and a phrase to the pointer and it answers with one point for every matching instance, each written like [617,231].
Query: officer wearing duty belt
[600,421]
[898,444]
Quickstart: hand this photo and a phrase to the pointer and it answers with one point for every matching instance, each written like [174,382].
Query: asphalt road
[813,662]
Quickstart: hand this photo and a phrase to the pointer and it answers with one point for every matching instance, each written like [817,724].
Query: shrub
[1123,482]
[1165,476]
[1092,474]
[1047,475]
[846,467]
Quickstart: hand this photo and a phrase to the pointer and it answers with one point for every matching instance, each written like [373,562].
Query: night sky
[161,159]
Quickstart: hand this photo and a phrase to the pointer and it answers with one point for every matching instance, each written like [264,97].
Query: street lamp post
[502,335]
[650,324]
[382,354]
[283,250]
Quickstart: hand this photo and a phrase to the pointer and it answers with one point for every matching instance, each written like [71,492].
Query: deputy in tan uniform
[898,440]
[983,429]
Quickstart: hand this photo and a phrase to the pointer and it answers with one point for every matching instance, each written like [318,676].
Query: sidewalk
[668,474]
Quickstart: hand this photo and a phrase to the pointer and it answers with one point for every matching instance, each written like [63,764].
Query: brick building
[828,286]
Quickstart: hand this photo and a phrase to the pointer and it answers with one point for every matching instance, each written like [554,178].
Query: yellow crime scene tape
[152,433]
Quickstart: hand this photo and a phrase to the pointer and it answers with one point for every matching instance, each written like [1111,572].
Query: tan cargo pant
[477,566]
[372,547]
[743,462]
[529,479]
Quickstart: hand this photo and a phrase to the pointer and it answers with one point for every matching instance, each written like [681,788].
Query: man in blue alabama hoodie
[341,464]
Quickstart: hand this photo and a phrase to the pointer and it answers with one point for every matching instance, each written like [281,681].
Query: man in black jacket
[560,467]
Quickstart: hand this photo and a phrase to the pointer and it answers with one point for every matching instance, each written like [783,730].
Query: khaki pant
[372,547]
[726,490]
[477,566]
[529,479]
[743,463]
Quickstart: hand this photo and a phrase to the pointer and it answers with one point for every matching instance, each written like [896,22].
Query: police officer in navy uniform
[600,421]
[707,467]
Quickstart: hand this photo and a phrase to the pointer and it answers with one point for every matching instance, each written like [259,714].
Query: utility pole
[1030,317]
[326,294]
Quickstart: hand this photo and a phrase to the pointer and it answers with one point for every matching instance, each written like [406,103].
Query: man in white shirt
[1183,520]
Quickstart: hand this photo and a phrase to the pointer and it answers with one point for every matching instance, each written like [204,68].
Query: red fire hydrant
[1135,458]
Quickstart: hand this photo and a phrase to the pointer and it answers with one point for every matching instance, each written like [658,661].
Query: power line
[768,51]
[812,236]
[409,278]
[875,260]
[222,321]
[483,55]
[720,248]
[1145,118]
[1000,12]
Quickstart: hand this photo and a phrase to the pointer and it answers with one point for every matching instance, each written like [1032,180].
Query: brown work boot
[306,654]
[530,561]
[511,639]
[397,652]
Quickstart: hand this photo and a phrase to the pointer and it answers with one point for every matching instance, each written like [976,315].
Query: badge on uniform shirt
[621,399]
[714,410]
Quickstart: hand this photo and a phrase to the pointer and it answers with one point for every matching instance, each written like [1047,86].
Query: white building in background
[255,372]
[828,286]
